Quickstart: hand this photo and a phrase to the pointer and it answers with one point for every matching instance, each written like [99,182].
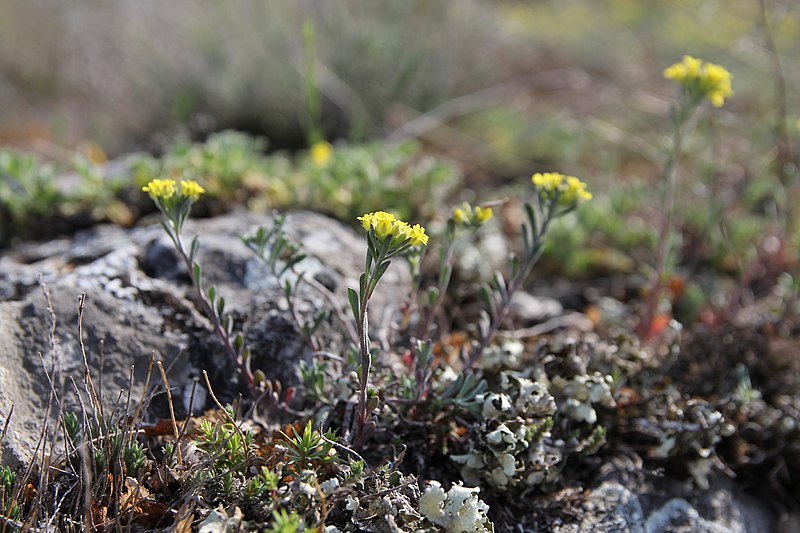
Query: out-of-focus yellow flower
[701,79]
[418,236]
[161,189]
[482,214]
[467,215]
[165,190]
[191,189]
[569,188]
[386,225]
[321,153]
[174,198]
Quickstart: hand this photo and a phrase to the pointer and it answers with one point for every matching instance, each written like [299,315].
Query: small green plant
[174,200]
[308,450]
[284,522]
[463,221]
[699,80]
[556,195]
[134,458]
[281,255]
[344,181]
[387,238]
[8,505]
[28,192]
[229,447]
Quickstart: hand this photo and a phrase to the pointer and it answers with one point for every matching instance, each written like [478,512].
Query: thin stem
[786,161]
[444,283]
[533,255]
[222,333]
[670,176]
[370,283]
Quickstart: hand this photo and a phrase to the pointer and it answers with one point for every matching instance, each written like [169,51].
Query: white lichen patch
[459,510]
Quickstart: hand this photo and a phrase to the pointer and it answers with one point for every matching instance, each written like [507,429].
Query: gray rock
[527,308]
[139,302]
[629,501]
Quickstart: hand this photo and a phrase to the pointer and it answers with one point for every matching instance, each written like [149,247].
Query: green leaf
[287,289]
[354,304]
[433,294]
[486,296]
[500,284]
[370,257]
[197,272]
[212,294]
[526,239]
[514,265]
[379,272]
[444,268]
[362,285]
[293,261]
[220,306]
[531,216]
[194,248]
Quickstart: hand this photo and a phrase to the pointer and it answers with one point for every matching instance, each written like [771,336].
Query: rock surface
[139,302]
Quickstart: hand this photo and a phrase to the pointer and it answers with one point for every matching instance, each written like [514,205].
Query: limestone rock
[139,302]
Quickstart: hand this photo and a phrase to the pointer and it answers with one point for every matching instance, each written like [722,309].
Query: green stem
[370,283]
[220,330]
[444,283]
[533,255]
[670,178]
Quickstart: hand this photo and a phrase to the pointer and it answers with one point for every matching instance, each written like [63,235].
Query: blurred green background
[499,88]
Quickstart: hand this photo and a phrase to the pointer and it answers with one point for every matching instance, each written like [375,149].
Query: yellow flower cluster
[387,225]
[167,189]
[702,79]
[467,215]
[569,188]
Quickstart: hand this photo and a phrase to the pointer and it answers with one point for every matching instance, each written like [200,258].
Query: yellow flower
[321,153]
[418,236]
[482,214]
[161,189]
[466,215]
[569,188]
[386,225]
[701,79]
[191,189]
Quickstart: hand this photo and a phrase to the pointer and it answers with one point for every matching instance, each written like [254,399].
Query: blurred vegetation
[504,88]
[343,180]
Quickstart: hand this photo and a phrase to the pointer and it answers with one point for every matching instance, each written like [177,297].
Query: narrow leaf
[531,217]
[238,342]
[526,238]
[486,296]
[194,248]
[500,284]
[379,272]
[514,265]
[433,294]
[362,285]
[353,297]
